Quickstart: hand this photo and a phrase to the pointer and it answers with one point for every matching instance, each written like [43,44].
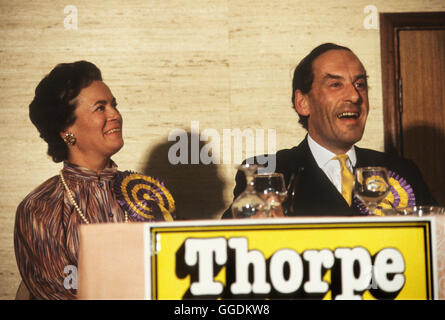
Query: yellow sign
[375,258]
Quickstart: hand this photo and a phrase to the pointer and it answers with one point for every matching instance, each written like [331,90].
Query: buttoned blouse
[46,238]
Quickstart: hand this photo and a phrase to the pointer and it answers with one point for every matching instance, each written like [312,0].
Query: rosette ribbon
[144,197]
[400,195]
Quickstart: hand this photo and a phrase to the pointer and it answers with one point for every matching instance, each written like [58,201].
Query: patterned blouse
[46,227]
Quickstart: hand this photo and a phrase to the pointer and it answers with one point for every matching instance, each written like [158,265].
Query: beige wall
[227,64]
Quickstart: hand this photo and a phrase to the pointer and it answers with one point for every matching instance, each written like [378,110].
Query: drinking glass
[271,188]
[371,186]
[421,211]
[249,204]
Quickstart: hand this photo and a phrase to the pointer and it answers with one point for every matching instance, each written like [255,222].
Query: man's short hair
[304,76]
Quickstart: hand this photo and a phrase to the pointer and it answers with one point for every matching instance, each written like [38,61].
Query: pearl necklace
[79,211]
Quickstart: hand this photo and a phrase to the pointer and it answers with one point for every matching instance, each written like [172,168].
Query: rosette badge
[400,195]
[143,197]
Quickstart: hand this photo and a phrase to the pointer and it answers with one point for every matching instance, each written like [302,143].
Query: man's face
[337,104]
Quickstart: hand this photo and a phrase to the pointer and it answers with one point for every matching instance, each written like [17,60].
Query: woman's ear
[63,134]
[66,131]
[301,104]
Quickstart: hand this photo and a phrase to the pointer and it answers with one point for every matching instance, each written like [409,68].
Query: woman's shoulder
[45,194]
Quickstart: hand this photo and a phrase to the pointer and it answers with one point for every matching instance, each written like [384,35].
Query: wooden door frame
[390,25]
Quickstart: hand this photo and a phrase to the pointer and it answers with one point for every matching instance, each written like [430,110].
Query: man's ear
[301,103]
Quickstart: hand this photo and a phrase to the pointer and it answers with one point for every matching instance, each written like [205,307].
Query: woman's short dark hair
[304,76]
[52,109]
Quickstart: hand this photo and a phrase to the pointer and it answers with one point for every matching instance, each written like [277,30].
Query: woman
[76,114]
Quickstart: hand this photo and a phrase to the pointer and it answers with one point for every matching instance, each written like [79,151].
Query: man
[330,95]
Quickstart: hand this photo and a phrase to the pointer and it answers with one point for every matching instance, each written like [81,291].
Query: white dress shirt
[331,167]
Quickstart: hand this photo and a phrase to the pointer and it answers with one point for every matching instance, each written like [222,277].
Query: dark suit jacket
[316,195]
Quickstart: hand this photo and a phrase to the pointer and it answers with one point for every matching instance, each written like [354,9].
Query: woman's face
[98,124]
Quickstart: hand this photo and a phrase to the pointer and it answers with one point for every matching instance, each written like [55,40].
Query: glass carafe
[249,204]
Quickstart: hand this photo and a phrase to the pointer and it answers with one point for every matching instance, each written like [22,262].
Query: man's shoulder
[395,163]
[374,157]
[293,153]
[282,159]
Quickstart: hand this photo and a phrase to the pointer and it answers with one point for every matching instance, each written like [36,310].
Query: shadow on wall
[197,188]
[429,142]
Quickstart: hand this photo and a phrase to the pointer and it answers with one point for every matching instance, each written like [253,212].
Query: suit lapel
[365,159]
[316,193]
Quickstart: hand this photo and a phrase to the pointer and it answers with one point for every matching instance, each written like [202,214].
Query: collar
[74,170]
[322,155]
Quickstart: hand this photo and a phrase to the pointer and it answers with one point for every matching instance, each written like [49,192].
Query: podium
[288,258]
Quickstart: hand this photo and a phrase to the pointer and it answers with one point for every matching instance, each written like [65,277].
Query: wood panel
[422,71]
[390,24]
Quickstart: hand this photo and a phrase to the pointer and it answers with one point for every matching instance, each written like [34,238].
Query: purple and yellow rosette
[144,197]
[401,195]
